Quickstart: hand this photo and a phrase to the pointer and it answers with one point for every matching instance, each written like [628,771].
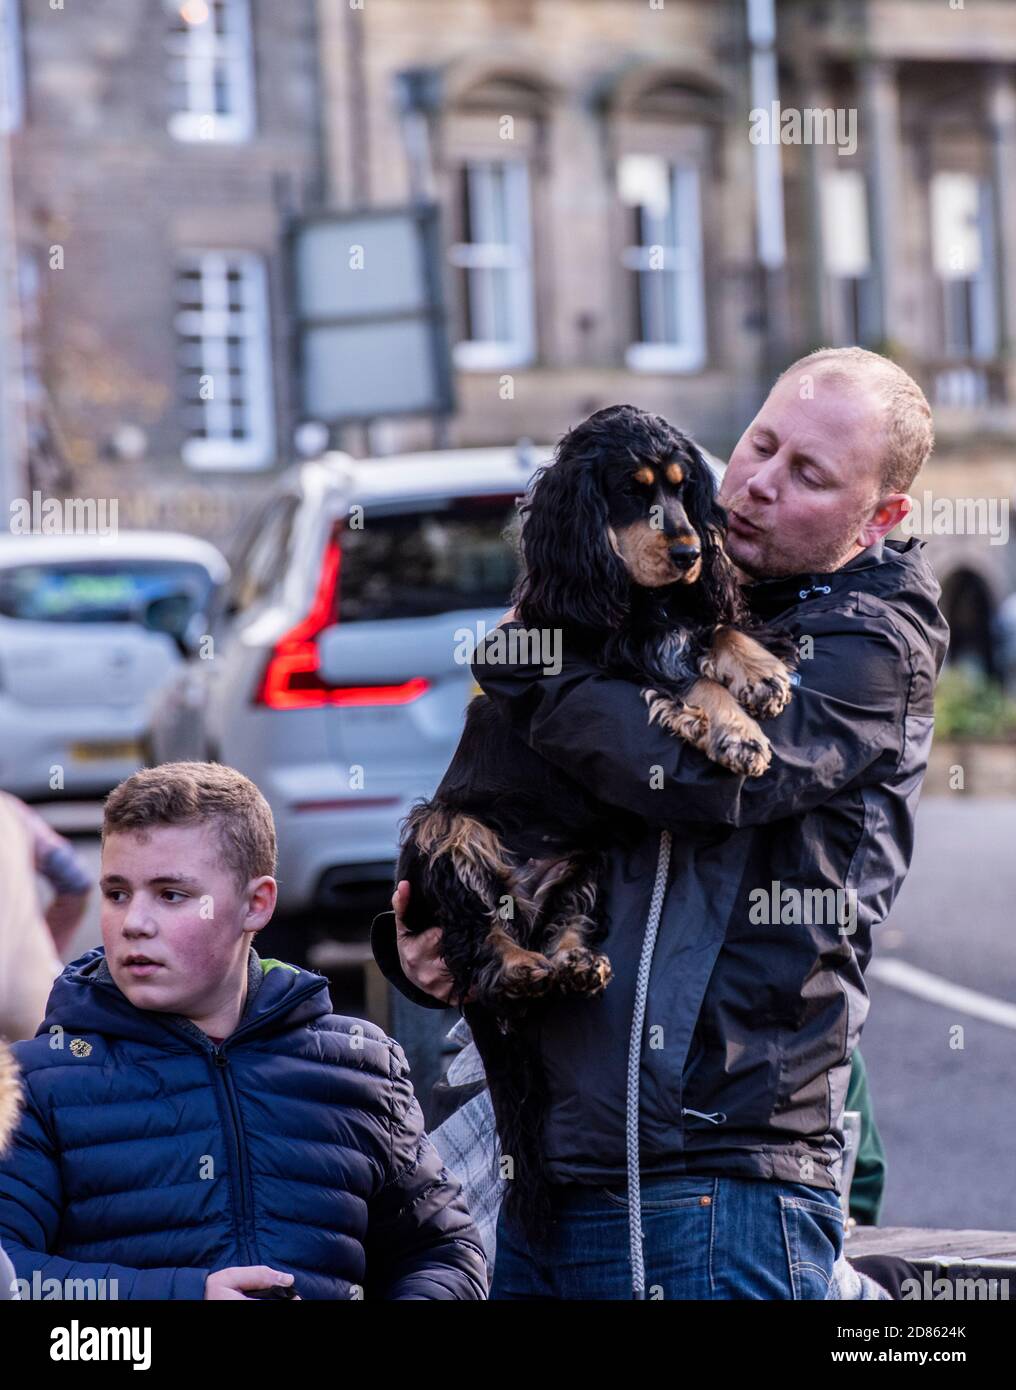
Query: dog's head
[629,500]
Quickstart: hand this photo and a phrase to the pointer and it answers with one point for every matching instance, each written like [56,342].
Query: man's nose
[762,484]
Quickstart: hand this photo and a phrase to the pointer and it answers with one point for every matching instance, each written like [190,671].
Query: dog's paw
[581,971]
[758,681]
[767,696]
[527,976]
[689,722]
[748,757]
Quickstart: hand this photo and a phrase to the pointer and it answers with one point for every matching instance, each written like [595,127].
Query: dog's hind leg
[482,864]
[578,968]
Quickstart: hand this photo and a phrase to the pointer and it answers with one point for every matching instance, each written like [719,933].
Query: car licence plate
[109,749]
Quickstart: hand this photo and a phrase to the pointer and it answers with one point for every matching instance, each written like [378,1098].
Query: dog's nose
[684,556]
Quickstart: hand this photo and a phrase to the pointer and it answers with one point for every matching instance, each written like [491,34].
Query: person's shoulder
[59,1047]
[357,1043]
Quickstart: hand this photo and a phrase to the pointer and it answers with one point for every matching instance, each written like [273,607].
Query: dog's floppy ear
[572,574]
[709,519]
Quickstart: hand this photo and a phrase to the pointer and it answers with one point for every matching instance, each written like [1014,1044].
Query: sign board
[369,308]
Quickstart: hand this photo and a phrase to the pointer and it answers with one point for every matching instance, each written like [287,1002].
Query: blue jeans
[704,1238]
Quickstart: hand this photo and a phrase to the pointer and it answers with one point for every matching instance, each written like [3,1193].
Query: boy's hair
[194,793]
[909,433]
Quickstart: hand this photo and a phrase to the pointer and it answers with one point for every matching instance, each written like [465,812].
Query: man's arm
[846,715]
[421,1241]
[31,1203]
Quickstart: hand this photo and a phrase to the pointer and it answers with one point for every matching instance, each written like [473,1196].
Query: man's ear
[261,895]
[890,511]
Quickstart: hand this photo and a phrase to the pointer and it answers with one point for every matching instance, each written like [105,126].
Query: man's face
[804,479]
[169,898]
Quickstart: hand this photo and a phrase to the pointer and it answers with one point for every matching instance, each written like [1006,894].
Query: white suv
[338,674]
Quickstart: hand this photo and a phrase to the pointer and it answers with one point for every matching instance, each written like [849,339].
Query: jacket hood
[898,572]
[86,999]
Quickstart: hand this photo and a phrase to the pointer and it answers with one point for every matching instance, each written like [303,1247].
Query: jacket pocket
[813,1238]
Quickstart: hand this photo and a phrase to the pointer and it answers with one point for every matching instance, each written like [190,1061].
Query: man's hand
[236,1281]
[420,955]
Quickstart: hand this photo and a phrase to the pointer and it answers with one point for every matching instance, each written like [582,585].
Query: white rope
[638,1268]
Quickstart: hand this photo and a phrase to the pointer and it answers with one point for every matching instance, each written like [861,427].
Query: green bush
[971,706]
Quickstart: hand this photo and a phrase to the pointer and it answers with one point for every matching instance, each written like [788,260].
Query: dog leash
[638,1267]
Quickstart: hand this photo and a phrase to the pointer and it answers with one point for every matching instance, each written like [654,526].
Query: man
[197,1123]
[756,998]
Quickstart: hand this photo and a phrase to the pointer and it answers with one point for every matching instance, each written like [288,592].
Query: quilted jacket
[149,1155]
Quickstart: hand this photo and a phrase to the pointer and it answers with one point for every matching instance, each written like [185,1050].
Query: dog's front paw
[748,757]
[758,681]
[690,722]
[767,696]
[581,971]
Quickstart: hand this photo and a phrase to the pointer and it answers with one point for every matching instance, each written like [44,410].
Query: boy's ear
[262,895]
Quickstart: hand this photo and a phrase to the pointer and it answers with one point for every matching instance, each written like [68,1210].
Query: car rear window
[96,591]
[458,553]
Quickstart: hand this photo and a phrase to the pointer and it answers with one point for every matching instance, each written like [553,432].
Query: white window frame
[977,287]
[204,52]
[212,325]
[12,95]
[512,256]
[687,352]
[846,243]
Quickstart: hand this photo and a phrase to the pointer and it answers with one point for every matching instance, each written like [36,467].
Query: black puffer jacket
[752,1013]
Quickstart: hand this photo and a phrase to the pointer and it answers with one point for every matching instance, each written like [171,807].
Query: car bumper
[67,750]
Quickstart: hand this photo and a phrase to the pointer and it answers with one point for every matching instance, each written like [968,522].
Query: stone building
[157,152]
[660,201]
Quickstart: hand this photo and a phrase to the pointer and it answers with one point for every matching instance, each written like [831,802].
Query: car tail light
[292,679]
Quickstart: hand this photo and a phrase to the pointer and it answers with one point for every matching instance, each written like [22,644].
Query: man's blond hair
[909,432]
[196,794]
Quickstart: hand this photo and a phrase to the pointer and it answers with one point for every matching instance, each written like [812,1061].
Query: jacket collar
[770,596]
[86,998]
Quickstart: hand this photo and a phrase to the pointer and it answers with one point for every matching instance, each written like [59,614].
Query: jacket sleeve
[421,1240]
[385,946]
[846,715]
[31,1207]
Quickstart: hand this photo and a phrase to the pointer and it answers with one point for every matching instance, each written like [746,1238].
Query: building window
[665,258]
[963,251]
[222,323]
[211,70]
[12,92]
[495,260]
[846,248]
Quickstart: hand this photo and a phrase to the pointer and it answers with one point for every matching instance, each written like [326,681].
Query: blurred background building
[610,228]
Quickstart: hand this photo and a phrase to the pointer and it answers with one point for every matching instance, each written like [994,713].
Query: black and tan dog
[622,547]
[622,543]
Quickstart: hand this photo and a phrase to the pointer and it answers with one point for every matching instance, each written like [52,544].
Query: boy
[197,1122]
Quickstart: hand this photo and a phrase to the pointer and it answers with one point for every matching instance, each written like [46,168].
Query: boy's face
[175,923]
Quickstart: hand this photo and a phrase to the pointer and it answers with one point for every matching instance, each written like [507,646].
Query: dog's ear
[709,519]
[572,575]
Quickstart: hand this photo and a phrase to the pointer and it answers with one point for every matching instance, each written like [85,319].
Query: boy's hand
[420,955]
[238,1280]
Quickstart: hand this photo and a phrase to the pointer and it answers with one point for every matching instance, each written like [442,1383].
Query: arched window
[967,605]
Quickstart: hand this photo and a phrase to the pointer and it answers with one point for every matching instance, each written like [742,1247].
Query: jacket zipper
[221,1064]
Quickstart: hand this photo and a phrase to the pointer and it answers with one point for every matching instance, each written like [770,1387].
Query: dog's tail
[518,1093]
